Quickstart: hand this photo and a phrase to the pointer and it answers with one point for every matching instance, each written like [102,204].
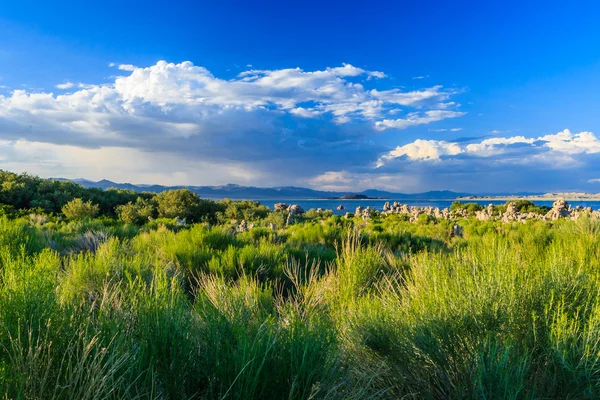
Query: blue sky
[469,96]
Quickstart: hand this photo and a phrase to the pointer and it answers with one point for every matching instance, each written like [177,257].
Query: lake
[350,205]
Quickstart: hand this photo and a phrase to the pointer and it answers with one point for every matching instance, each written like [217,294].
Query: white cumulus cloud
[127,67]
[569,143]
[66,85]
[493,146]
[446,130]
[422,150]
[418,119]
[558,148]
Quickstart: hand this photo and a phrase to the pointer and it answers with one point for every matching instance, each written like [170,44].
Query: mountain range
[233,191]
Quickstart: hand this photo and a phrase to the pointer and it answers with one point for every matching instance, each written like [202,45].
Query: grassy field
[326,308]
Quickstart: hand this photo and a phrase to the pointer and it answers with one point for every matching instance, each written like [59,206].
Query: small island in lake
[354,196]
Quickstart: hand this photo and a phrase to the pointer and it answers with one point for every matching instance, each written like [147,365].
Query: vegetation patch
[111,295]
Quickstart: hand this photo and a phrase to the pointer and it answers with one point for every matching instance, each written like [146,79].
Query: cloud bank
[181,124]
[282,125]
[552,162]
[562,145]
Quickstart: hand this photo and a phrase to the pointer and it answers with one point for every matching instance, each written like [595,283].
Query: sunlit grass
[322,309]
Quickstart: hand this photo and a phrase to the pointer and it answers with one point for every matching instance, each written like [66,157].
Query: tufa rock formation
[280,207]
[244,227]
[486,214]
[560,209]
[294,210]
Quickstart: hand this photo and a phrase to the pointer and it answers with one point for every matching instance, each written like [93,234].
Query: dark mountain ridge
[239,192]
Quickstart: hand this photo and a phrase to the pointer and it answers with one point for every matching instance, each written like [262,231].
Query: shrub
[471,208]
[136,212]
[208,210]
[37,219]
[313,214]
[180,203]
[6,209]
[526,206]
[90,241]
[244,209]
[277,219]
[78,209]
[425,219]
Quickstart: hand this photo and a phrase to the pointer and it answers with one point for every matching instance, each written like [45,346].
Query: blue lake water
[350,205]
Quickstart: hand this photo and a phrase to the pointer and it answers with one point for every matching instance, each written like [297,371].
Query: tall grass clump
[16,235]
[505,317]
[47,350]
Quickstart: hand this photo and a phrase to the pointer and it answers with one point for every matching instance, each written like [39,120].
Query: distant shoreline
[354,196]
[593,197]
[342,199]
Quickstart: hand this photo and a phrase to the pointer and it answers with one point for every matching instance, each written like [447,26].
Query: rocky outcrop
[295,209]
[364,213]
[280,207]
[560,209]
[486,214]
[440,214]
[368,213]
[511,214]
[243,226]
[457,231]
[578,212]
[413,212]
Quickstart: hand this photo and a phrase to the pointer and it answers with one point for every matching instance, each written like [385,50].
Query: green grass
[325,309]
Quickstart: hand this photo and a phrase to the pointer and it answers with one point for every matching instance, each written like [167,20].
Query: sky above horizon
[466,96]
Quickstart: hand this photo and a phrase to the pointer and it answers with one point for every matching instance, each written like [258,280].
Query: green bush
[78,209]
[526,206]
[137,212]
[471,208]
[244,209]
[183,203]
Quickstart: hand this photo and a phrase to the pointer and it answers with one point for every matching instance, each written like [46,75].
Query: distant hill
[354,196]
[257,193]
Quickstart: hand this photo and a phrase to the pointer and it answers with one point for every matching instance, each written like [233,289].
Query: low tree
[78,209]
[243,209]
[526,206]
[136,212]
[180,203]
[470,208]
